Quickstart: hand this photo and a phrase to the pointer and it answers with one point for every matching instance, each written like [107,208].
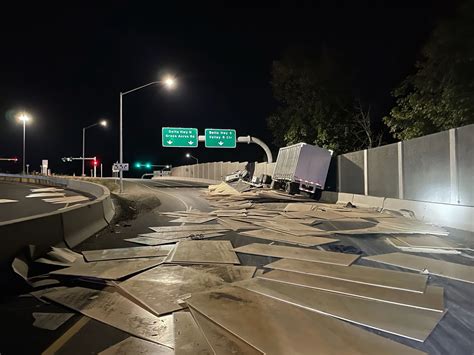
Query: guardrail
[68,226]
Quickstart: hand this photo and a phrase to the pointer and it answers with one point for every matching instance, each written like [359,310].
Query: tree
[316,103]
[440,95]
[365,133]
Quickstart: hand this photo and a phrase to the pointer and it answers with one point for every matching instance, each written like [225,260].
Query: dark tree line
[318,105]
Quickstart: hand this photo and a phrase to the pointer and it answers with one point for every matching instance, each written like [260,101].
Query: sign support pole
[248,140]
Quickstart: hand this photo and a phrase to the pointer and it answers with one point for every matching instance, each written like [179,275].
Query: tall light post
[168,82]
[190,156]
[102,123]
[24,117]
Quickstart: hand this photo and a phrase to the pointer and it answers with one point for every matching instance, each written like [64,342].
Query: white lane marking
[5,200]
[186,206]
[46,194]
[47,189]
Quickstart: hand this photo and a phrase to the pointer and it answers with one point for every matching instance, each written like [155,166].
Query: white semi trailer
[301,167]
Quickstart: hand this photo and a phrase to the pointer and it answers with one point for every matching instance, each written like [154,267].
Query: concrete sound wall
[383,171]
[351,172]
[435,168]
[217,171]
[465,165]
[426,168]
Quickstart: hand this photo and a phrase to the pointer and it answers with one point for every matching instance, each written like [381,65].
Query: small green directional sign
[175,137]
[220,138]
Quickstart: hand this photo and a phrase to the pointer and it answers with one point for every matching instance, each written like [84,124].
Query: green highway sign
[220,138]
[175,137]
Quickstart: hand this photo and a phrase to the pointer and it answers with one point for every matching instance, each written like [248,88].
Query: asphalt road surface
[137,209]
[24,207]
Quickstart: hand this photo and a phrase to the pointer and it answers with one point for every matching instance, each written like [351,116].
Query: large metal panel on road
[176,137]
[220,138]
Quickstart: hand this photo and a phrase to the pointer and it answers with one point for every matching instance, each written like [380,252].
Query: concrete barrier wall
[441,214]
[217,171]
[69,226]
[435,168]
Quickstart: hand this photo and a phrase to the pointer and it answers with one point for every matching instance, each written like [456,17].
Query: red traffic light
[95,162]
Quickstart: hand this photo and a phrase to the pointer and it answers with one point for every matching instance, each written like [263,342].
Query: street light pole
[190,156]
[102,123]
[121,142]
[24,145]
[83,150]
[169,82]
[24,117]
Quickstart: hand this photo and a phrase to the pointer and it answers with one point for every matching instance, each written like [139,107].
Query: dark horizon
[67,66]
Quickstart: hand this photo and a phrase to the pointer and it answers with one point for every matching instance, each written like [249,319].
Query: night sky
[66,66]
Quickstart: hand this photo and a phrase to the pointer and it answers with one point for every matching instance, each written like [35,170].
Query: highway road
[137,209]
[14,203]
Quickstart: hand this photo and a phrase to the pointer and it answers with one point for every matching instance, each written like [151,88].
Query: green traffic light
[138,165]
[148,165]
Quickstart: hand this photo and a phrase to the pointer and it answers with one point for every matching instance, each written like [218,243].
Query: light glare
[103,123]
[169,82]
[24,117]
[188,155]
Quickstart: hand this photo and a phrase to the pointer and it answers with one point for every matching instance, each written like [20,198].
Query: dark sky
[66,66]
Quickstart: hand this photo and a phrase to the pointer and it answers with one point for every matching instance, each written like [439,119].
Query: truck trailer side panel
[287,161]
[313,165]
[304,164]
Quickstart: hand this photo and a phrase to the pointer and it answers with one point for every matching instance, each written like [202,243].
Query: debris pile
[186,292]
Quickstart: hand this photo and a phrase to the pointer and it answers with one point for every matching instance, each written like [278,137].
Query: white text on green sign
[179,137]
[220,138]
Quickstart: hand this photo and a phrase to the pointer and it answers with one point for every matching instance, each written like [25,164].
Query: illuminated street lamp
[24,117]
[102,123]
[168,82]
[190,156]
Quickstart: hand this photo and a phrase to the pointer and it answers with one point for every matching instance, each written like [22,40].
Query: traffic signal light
[139,165]
[95,162]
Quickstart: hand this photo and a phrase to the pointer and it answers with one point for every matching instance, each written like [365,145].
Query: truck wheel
[316,195]
[275,185]
[292,188]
